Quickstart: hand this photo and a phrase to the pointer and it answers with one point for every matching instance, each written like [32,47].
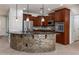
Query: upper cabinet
[59,15]
[45,23]
[52,16]
[36,21]
[64,16]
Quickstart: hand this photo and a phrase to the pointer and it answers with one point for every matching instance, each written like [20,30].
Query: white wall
[3,31]
[13,24]
[72,37]
[3,12]
[74,27]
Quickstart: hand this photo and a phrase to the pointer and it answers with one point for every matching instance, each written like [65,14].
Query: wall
[13,24]
[3,31]
[3,12]
[72,37]
[74,27]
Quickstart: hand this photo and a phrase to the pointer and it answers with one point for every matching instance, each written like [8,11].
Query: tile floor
[72,49]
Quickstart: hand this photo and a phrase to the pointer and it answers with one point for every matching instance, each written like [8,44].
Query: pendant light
[42,19]
[16,13]
[27,19]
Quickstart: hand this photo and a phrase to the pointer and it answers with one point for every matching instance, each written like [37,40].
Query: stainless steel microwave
[59,26]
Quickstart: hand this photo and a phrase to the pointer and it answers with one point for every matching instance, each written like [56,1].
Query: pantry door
[76,27]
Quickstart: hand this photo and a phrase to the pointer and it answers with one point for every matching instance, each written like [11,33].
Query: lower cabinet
[60,38]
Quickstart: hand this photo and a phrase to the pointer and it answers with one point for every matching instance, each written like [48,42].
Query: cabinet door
[60,38]
[52,16]
[36,22]
[59,16]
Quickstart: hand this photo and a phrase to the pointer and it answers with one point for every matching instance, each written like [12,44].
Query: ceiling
[35,8]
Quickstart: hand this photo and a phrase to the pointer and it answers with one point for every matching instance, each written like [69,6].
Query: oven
[59,26]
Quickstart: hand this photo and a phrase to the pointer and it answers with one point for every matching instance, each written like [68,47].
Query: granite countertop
[33,32]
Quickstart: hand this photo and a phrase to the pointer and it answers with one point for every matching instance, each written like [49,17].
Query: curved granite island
[33,41]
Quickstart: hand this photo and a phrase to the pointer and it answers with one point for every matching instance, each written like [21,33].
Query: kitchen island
[32,41]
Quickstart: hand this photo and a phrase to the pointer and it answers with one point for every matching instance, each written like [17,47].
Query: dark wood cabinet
[59,15]
[60,38]
[46,20]
[64,16]
[51,16]
[36,22]
[39,23]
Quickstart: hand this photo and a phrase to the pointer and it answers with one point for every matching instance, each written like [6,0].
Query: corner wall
[13,24]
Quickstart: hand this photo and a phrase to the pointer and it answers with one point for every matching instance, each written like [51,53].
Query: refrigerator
[28,26]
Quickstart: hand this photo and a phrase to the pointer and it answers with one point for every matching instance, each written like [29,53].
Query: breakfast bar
[32,41]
